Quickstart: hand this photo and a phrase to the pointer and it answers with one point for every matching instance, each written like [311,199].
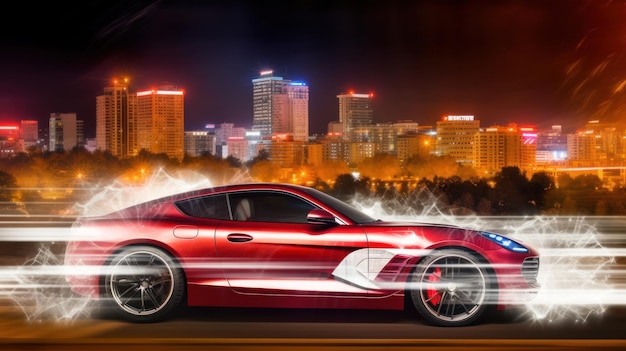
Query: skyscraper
[290,111]
[30,133]
[455,138]
[355,111]
[66,131]
[264,89]
[161,121]
[115,120]
[496,147]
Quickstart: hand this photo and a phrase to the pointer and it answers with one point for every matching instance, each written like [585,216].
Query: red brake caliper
[432,291]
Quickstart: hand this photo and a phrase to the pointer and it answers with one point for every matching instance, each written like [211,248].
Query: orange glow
[160,92]
[116,80]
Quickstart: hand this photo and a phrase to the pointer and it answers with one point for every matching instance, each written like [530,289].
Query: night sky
[530,62]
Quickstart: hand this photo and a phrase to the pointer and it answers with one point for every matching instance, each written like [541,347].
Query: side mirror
[320,217]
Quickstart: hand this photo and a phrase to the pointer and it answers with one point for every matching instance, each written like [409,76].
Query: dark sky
[532,62]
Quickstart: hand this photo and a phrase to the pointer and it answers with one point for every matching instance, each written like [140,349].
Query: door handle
[238,237]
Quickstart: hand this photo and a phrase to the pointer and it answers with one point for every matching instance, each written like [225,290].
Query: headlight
[505,242]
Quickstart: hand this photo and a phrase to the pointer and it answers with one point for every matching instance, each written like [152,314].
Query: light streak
[579,274]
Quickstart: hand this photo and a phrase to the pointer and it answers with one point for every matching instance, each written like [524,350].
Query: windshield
[345,209]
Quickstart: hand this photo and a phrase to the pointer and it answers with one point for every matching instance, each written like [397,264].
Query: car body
[288,246]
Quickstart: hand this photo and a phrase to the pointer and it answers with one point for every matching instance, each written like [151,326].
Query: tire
[143,284]
[451,288]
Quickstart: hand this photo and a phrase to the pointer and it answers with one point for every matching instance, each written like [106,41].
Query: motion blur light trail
[578,274]
[159,184]
[38,286]
[39,289]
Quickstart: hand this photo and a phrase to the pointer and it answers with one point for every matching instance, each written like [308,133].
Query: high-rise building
[290,111]
[223,132]
[334,149]
[383,135]
[409,145]
[529,148]
[609,142]
[455,138]
[161,121]
[355,111]
[582,148]
[237,147]
[66,131]
[406,126]
[287,153]
[115,120]
[551,146]
[264,90]
[313,153]
[360,150]
[199,142]
[497,147]
[10,140]
[30,133]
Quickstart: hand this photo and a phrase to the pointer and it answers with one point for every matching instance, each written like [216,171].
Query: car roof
[228,187]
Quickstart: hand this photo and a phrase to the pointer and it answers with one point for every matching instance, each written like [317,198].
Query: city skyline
[540,63]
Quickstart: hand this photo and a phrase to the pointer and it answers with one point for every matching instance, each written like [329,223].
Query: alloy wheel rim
[141,283]
[453,288]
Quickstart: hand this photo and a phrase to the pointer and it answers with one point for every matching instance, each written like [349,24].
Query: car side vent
[530,269]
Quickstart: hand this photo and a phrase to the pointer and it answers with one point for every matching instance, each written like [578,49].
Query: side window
[269,206]
[214,207]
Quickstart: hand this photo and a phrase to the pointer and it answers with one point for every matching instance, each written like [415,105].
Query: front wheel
[450,288]
[143,284]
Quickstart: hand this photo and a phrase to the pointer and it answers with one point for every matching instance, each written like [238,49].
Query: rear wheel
[450,288]
[143,284]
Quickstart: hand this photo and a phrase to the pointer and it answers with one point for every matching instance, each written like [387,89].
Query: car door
[274,250]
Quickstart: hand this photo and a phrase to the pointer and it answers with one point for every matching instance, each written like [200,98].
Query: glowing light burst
[39,289]
[159,184]
[577,272]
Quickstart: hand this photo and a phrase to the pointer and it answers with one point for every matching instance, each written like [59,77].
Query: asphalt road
[259,329]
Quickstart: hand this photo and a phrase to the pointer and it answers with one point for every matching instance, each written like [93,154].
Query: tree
[264,171]
[329,171]
[262,155]
[586,182]
[511,194]
[434,166]
[7,185]
[363,186]
[587,191]
[540,184]
[381,166]
[233,161]
[345,186]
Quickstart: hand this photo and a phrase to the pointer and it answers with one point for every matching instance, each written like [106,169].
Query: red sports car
[287,246]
